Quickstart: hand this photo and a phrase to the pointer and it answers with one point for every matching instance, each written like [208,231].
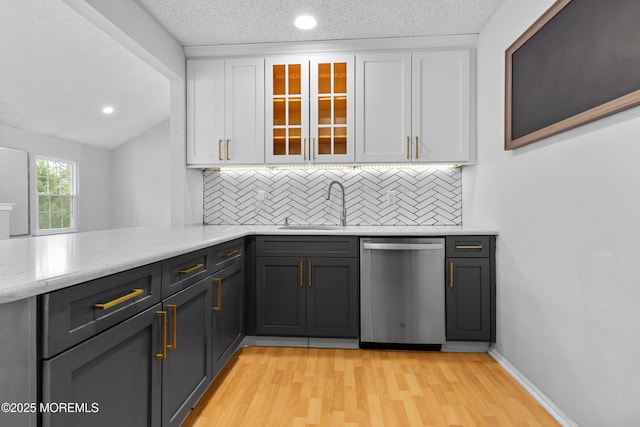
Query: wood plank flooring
[270,386]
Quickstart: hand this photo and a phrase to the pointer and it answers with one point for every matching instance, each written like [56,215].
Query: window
[56,203]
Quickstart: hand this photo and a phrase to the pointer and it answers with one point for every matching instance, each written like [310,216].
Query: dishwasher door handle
[403,246]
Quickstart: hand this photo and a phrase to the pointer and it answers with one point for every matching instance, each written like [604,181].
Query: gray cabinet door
[332,297]
[280,293]
[118,370]
[186,371]
[228,313]
[468,299]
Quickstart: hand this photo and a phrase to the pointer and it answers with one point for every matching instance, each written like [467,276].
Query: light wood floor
[267,386]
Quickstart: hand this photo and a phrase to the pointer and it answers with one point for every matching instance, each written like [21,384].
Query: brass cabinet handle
[219,283]
[220,149]
[120,300]
[408,147]
[227,150]
[304,147]
[174,324]
[417,149]
[192,269]
[313,143]
[468,246]
[163,353]
[309,273]
[451,274]
[301,279]
[228,254]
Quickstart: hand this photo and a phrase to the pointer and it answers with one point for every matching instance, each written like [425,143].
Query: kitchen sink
[308,227]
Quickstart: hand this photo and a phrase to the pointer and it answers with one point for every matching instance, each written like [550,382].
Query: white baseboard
[557,413]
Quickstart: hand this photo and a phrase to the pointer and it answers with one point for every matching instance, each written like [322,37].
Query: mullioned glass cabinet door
[332,113]
[287,110]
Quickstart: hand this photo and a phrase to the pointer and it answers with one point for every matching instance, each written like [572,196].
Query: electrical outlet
[262,196]
[392,197]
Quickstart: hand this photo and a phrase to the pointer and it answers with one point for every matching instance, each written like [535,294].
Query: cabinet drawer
[185,270]
[76,313]
[226,253]
[324,246]
[116,369]
[468,246]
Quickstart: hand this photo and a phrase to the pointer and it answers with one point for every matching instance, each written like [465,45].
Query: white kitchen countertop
[37,265]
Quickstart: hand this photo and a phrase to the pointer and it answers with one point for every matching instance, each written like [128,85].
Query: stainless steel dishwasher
[402,291]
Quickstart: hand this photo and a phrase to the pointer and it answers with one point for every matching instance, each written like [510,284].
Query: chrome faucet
[343,212]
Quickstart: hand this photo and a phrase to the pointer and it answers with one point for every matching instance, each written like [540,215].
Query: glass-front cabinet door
[287,110]
[332,114]
[309,113]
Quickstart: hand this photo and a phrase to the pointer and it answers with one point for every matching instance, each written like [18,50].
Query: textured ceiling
[220,22]
[58,70]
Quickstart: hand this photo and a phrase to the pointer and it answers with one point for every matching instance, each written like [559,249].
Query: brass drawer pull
[468,246]
[301,278]
[163,353]
[220,149]
[227,150]
[408,147]
[451,274]
[309,273]
[219,283]
[120,300]
[417,147]
[228,254]
[192,269]
[174,325]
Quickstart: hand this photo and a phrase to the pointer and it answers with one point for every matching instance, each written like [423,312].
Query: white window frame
[74,197]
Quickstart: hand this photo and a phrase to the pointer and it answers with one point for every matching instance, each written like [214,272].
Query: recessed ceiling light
[108,109]
[305,22]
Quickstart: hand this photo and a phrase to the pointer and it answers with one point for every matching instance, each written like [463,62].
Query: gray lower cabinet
[115,370]
[186,369]
[306,293]
[228,313]
[281,296]
[332,308]
[143,353]
[470,289]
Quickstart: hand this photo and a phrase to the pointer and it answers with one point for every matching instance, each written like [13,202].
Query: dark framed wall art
[579,62]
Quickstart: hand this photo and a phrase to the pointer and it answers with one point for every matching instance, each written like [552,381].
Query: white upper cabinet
[309,112]
[392,103]
[383,107]
[414,107]
[205,111]
[332,103]
[225,111]
[287,109]
[441,124]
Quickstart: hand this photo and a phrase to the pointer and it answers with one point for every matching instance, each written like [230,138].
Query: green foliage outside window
[55,194]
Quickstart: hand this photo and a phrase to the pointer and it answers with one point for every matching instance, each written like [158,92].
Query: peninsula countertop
[36,265]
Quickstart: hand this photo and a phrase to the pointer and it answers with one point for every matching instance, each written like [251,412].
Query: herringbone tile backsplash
[373,196]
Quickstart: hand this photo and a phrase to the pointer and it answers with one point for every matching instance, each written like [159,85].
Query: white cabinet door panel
[441,106]
[244,107]
[383,107]
[205,111]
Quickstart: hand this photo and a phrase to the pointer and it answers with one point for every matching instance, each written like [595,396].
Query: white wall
[93,165]
[127,22]
[566,209]
[140,180]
